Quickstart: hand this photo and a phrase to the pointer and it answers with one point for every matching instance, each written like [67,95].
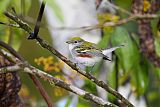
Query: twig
[116,77]
[34,79]
[97,26]
[34,71]
[12,25]
[98,2]
[45,45]
[122,21]
[42,90]
[117,73]
[131,18]
[108,24]
[10,40]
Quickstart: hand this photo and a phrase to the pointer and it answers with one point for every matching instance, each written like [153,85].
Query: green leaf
[140,78]
[131,27]
[27,4]
[157,72]
[135,38]
[129,54]
[112,81]
[21,6]
[69,100]
[111,75]
[153,98]
[83,103]
[90,87]
[3,5]
[154,23]
[157,46]
[105,39]
[16,38]
[4,33]
[131,61]
[126,5]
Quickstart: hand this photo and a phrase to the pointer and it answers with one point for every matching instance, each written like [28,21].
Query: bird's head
[75,41]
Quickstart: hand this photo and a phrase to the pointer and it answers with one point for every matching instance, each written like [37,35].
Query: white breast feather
[88,61]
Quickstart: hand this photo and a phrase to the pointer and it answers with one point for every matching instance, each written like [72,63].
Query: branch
[11,25]
[34,79]
[45,45]
[34,71]
[132,17]
[120,22]
[108,24]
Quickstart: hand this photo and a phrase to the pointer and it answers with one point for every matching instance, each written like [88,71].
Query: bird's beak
[68,42]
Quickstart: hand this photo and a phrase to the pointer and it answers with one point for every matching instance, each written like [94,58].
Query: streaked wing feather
[89,51]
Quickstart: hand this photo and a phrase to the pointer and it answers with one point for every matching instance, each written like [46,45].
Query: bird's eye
[75,41]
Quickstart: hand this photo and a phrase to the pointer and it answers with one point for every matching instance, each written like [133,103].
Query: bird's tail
[107,51]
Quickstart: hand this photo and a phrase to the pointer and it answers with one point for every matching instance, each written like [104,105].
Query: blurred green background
[130,72]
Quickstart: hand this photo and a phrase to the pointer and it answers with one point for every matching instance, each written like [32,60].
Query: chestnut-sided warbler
[87,53]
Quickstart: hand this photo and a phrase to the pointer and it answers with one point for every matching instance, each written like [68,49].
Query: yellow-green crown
[76,39]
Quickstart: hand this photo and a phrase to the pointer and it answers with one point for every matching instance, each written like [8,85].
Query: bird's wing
[85,50]
[90,45]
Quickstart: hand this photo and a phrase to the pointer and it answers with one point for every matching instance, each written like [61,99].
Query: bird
[88,53]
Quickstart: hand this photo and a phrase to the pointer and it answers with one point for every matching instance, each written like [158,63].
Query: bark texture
[10,85]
